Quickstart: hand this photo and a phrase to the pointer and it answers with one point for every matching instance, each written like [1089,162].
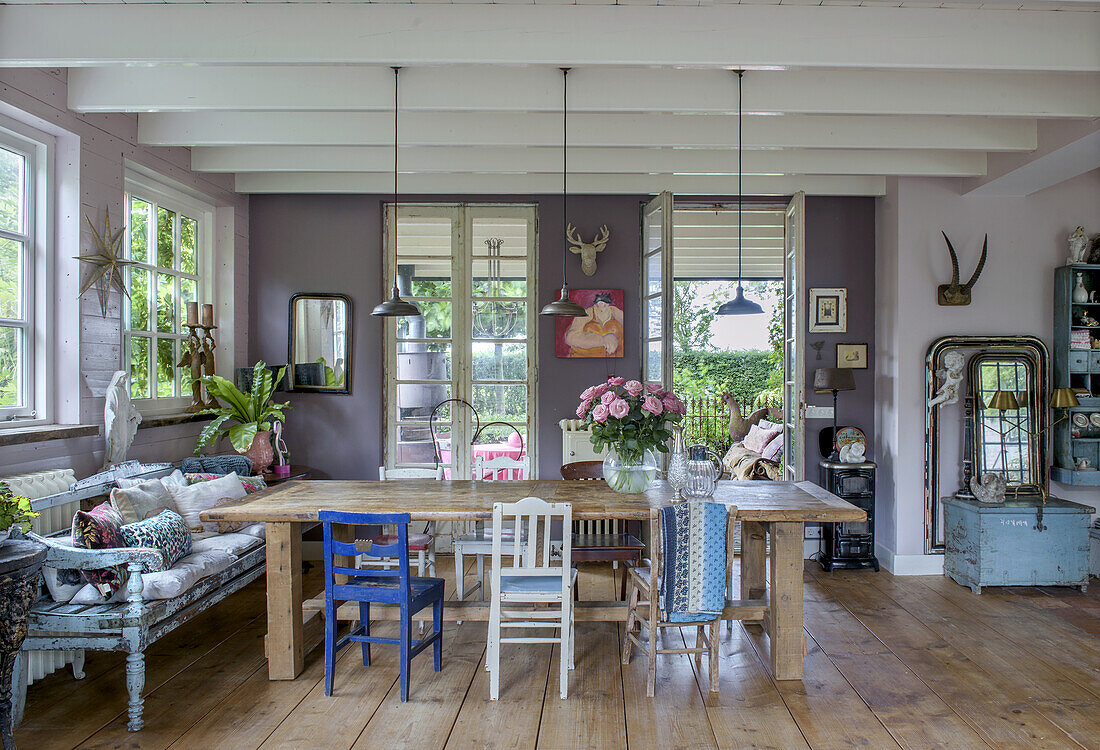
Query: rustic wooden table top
[431,500]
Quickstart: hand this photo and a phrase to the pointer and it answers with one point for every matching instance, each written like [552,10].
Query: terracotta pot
[260,452]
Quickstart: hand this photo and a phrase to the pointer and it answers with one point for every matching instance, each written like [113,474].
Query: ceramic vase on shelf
[631,473]
[260,452]
[1080,294]
[677,473]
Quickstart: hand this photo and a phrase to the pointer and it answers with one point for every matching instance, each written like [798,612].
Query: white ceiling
[299,97]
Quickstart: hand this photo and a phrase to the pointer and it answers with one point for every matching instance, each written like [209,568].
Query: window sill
[167,420]
[44,432]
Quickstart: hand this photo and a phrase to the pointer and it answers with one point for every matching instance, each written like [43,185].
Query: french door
[794,324]
[471,270]
[656,291]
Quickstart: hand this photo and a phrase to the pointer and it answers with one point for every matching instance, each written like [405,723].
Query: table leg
[788,640]
[753,566]
[285,645]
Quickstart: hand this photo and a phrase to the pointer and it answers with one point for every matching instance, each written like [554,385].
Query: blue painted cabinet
[1020,543]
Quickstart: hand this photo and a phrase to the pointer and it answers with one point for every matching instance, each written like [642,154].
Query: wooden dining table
[770,595]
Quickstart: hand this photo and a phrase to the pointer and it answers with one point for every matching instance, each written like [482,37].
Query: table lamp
[834,379]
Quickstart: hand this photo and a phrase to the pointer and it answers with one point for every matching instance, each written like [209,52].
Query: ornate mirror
[966,435]
[320,343]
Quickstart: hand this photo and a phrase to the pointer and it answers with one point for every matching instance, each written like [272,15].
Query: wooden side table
[20,562]
[297,471]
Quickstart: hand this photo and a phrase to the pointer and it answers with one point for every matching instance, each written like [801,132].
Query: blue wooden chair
[396,586]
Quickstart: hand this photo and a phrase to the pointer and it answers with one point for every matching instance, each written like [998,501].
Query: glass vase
[677,472]
[630,474]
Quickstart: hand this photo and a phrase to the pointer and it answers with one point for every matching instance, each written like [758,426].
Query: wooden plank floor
[909,662]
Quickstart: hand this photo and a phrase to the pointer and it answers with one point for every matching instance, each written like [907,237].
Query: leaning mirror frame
[337,378]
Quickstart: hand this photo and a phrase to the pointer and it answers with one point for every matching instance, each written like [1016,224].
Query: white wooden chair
[422,543]
[540,578]
[479,540]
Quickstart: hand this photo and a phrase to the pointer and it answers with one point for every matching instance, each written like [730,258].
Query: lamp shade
[1063,398]
[563,307]
[828,379]
[395,307]
[1003,401]
[739,305]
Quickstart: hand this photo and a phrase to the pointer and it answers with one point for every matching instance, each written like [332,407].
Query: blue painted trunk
[1008,545]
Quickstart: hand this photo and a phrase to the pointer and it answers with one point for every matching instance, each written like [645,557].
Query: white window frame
[461,382]
[37,318]
[161,194]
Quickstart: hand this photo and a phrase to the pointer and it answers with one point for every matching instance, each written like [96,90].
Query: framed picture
[851,355]
[828,310]
[599,334]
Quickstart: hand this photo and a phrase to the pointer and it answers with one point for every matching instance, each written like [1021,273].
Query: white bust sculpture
[120,419]
[952,375]
[853,453]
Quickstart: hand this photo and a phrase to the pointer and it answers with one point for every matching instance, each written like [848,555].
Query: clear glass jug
[677,474]
[702,473]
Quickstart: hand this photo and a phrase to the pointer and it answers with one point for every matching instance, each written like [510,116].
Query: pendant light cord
[740,151]
[396,201]
[564,167]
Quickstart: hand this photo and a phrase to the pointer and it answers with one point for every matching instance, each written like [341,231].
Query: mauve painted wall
[840,252]
[333,243]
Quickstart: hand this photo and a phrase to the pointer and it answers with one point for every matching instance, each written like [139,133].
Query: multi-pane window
[17,278]
[470,269]
[1004,444]
[166,240]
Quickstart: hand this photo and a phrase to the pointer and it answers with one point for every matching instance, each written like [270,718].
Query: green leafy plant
[15,510]
[252,412]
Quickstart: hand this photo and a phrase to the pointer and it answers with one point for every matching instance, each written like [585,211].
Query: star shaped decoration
[106,263]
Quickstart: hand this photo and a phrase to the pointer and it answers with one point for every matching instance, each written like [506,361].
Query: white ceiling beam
[1057,166]
[544,129]
[538,89]
[417,34]
[488,159]
[474,184]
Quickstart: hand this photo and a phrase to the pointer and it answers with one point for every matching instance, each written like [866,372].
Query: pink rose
[589,393]
[653,388]
[653,405]
[615,380]
[633,387]
[608,397]
[619,408]
[600,389]
[584,407]
[600,413]
[673,404]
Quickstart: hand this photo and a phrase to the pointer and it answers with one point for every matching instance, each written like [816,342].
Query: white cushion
[176,478]
[258,530]
[143,500]
[758,437]
[59,592]
[234,543]
[187,571]
[193,499]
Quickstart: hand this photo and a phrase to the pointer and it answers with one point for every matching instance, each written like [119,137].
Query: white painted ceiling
[298,97]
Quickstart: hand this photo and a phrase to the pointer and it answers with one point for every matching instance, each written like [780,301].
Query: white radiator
[38,485]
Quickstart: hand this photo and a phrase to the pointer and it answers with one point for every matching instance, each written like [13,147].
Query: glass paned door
[794,322]
[656,291]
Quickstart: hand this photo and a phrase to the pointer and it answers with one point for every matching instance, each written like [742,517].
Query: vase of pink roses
[632,420]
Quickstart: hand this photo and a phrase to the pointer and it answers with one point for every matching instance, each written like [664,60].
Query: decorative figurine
[1078,246]
[853,453]
[952,375]
[991,490]
[120,420]
[1080,294]
[587,250]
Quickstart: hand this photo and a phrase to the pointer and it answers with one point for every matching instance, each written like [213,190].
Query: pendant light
[739,305]
[563,307]
[395,307]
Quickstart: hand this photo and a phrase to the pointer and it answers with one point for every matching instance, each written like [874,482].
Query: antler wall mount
[956,294]
[587,250]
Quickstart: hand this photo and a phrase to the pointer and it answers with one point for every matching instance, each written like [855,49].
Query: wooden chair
[646,613]
[603,540]
[422,543]
[479,540]
[412,593]
[539,580]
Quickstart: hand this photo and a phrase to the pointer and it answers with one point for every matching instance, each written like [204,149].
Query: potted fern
[15,511]
[245,417]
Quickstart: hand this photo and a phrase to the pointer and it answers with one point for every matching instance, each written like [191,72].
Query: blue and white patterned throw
[693,585]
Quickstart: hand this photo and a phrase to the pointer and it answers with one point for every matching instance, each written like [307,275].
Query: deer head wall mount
[587,250]
[956,293]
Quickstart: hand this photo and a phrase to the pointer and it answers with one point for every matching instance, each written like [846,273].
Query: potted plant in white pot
[15,512]
[245,417]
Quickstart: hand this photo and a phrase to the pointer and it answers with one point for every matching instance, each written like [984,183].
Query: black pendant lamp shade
[563,307]
[395,307]
[739,305]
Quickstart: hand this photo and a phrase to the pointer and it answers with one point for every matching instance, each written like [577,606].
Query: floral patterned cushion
[99,528]
[250,484]
[166,531]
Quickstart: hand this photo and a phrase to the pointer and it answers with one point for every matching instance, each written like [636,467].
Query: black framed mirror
[319,348]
